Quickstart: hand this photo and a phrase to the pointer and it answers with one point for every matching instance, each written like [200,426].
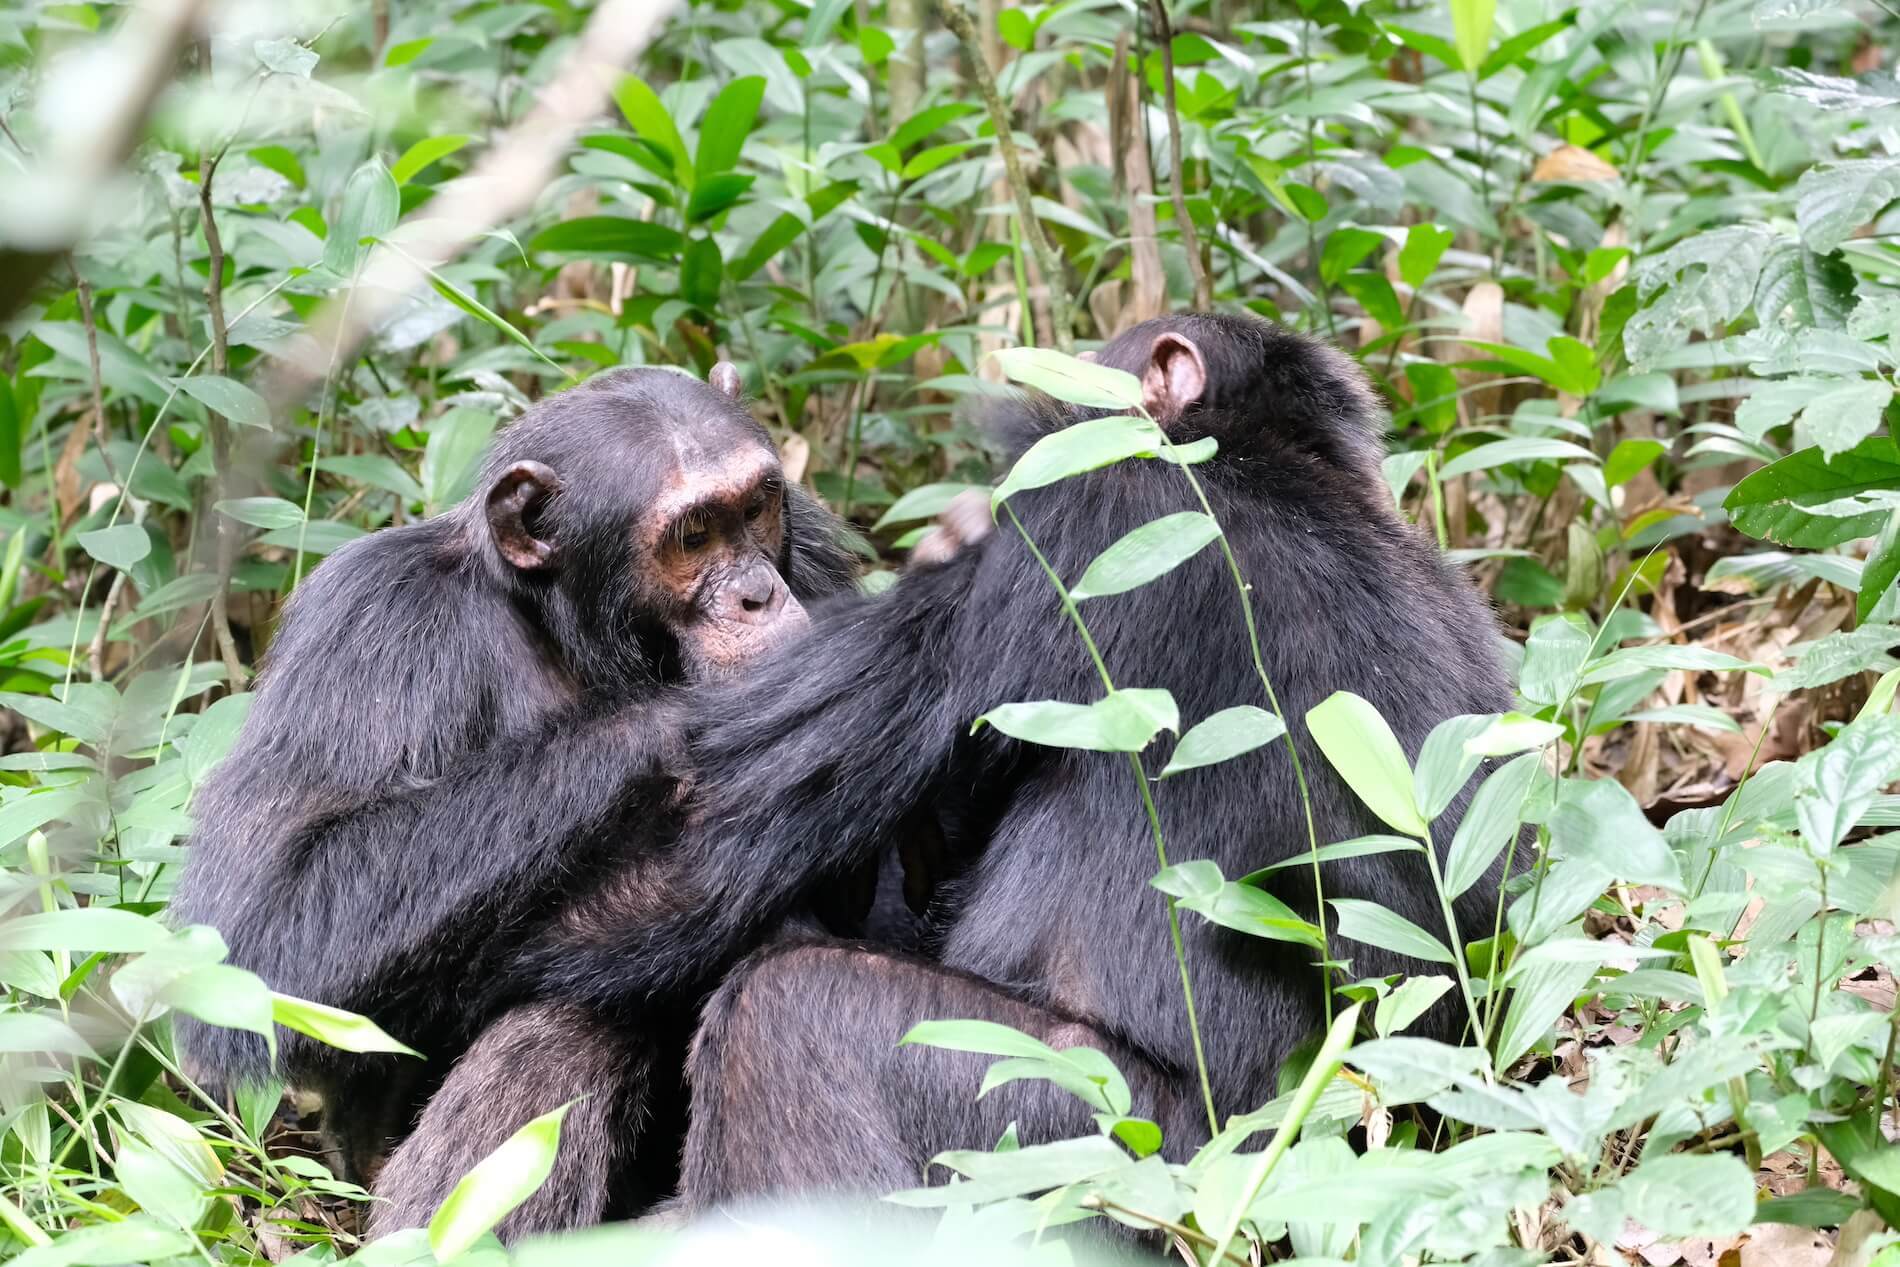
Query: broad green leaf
[1513,450]
[41,1033]
[371,207]
[648,116]
[702,271]
[1068,378]
[1345,248]
[343,1030]
[262,512]
[1635,661]
[983,1037]
[1832,200]
[1407,1002]
[430,149]
[1446,760]
[1490,824]
[1841,416]
[1372,924]
[1554,655]
[1362,749]
[375,469]
[1513,732]
[1837,784]
[454,454]
[1883,567]
[1198,887]
[1680,1195]
[610,238]
[1804,500]
[1424,246]
[319,536]
[1599,823]
[1471,22]
[1357,847]
[728,120]
[499,1183]
[925,502]
[1126,720]
[117,547]
[1223,736]
[1147,552]
[1629,459]
[227,396]
[1542,993]
[84,931]
[1086,446]
[136,1239]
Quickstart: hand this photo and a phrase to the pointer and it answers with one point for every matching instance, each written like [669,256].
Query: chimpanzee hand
[964,522]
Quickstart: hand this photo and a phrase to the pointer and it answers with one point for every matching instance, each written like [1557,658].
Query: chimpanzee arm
[407,779]
[802,771]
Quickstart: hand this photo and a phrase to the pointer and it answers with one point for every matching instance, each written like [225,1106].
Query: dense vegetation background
[271,274]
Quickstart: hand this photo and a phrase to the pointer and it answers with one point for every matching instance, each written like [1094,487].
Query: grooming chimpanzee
[467,731]
[804,766]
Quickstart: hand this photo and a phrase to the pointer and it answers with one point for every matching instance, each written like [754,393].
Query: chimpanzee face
[668,506]
[713,539]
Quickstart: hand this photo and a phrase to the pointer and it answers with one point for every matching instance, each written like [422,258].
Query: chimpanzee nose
[759,596]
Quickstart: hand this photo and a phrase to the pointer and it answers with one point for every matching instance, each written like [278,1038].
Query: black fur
[443,751]
[811,761]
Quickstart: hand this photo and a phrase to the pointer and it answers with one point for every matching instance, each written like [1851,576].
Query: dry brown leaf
[1572,163]
[793,456]
[1781,1245]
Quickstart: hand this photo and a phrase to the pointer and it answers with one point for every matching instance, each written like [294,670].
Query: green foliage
[1633,310]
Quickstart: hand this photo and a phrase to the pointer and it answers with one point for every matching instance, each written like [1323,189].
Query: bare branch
[223,532]
[1047,260]
[500,187]
[52,206]
[1190,240]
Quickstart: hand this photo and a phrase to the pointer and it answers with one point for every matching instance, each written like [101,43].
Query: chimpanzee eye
[756,507]
[695,539]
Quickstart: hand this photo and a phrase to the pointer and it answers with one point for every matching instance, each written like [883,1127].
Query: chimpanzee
[467,733]
[797,1080]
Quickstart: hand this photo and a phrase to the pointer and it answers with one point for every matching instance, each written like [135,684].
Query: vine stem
[1154,821]
[1245,592]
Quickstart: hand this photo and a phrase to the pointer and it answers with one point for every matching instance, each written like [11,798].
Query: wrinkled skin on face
[714,536]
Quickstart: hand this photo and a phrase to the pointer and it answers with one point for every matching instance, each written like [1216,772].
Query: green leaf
[1513,450]
[924,502]
[430,149]
[1198,886]
[1223,736]
[1628,662]
[1446,760]
[1540,995]
[375,469]
[1086,446]
[1152,550]
[1357,847]
[1679,1195]
[1068,378]
[1344,249]
[983,1037]
[715,194]
[1425,245]
[1372,924]
[118,547]
[1514,732]
[610,238]
[1599,823]
[1804,499]
[88,930]
[728,121]
[483,313]
[1490,823]
[499,1183]
[1837,784]
[1629,459]
[137,1239]
[702,271]
[1407,1002]
[1883,565]
[1840,417]
[1125,720]
[1471,22]
[227,396]
[371,207]
[1832,200]
[333,1026]
[1365,753]
[262,512]
[648,116]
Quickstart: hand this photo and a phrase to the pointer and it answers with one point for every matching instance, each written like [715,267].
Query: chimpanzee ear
[1175,379]
[1085,356]
[725,376]
[516,495]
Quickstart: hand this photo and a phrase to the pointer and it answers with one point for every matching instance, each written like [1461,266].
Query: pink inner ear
[725,378]
[1176,377]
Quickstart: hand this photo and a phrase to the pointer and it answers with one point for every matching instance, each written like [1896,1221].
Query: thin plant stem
[1154,820]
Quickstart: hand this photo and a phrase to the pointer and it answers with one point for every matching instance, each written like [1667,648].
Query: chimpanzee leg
[531,1061]
[799,1085]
